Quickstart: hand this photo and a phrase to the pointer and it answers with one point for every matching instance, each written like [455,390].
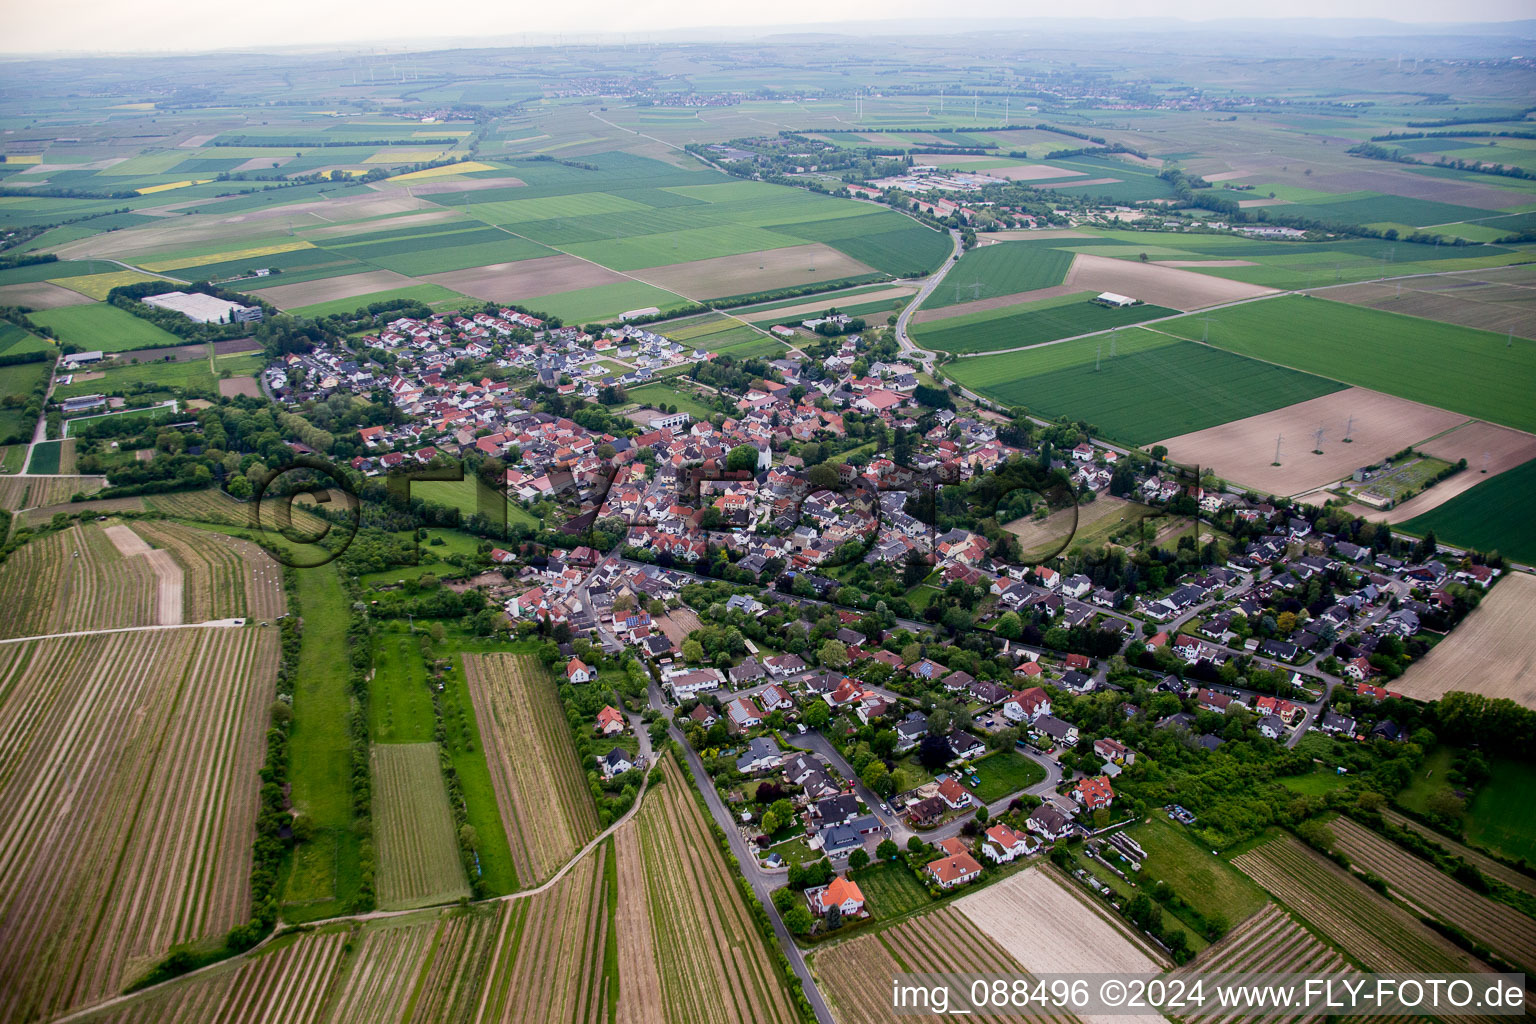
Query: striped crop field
[1376,933]
[151,741]
[378,981]
[713,964]
[225,577]
[419,861]
[1503,929]
[551,959]
[856,974]
[540,790]
[20,492]
[287,982]
[72,580]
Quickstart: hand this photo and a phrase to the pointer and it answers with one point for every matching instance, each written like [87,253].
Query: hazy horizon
[156,27]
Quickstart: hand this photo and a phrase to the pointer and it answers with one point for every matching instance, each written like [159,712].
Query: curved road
[908,347]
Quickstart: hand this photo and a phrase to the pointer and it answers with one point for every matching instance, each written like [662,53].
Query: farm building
[205,309]
[1114,299]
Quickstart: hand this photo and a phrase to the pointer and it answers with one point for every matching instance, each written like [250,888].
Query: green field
[1003,269]
[325,873]
[16,384]
[1154,387]
[604,301]
[1031,323]
[45,457]
[468,496]
[656,394]
[1318,782]
[193,375]
[1475,372]
[1208,884]
[15,341]
[399,701]
[1499,816]
[1493,516]
[105,327]
[1004,772]
[56,269]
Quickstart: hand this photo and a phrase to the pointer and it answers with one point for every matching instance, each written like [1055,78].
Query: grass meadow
[105,327]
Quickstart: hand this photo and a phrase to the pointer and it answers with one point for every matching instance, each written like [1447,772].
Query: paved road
[210,624]
[908,347]
[817,743]
[762,884]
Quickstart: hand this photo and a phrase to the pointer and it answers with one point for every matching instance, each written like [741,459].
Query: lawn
[1499,817]
[1459,368]
[1004,269]
[45,457]
[1152,388]
[193,375]
[890,890]
[1031,323]
[1006,771]
[1318,782]
[326,871]
[1207,883]
[104,327]
[470,496]
[1493,516]
[1428,780]
[657,394]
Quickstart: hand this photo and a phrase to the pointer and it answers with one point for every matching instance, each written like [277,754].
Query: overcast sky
[112,25]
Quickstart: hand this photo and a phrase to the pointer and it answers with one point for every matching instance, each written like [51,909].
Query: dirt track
[167,572]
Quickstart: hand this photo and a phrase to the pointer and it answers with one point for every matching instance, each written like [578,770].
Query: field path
[211,624]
